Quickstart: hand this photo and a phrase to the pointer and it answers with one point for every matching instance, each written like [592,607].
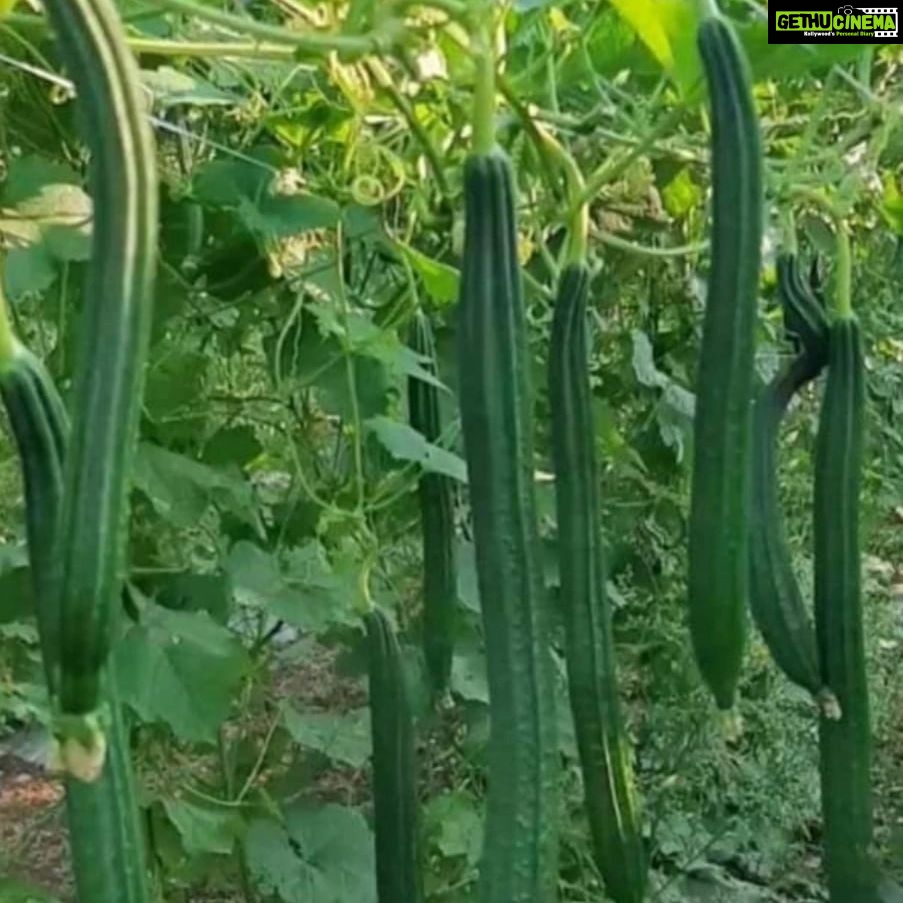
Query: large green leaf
[317,854]
[344,737]
[180,668]
[299,586]
[405,444]
[249,190]
[204,829]
[181,489]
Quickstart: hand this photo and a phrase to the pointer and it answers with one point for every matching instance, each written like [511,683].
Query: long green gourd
[105,832]
[436,495]
[521,835]
[115,332]
[774,594]
[592,675]
[41,458]
[719,507]
[844,742]
[398,875]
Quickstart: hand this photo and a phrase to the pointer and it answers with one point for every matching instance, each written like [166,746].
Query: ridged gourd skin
[844,743]
[775,599]
[395,826]
[805,317]
[39,432]
[720,497]
[520,855]
[115,328]
[106,835]
[602,743]
[437,521]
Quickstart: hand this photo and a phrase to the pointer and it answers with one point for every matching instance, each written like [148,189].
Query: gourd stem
[578,230]
[707,9]
[843,267]
[7,334]
[484,85]
[843,275]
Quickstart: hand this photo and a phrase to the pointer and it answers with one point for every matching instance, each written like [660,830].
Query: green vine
[578,229]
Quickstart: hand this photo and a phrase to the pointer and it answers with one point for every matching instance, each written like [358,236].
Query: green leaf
[29,174]
[323,855]
[644,366]
[181,490]
[454,825]
[468,678]
[171,87]
[16,594]
[250,191]
[56,206]
[204,829]
[667,28]
[892,204]
[175,379]
[404,443]
[342,737]
[468,590]
[45,228]
[372,384]
[299,586]
[12,891]
[28,269]
[360,16]
[232,445]
[190,591]
[180,668]
[681,195]
[440,280]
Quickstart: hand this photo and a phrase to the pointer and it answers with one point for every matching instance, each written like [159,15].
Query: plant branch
[303,41]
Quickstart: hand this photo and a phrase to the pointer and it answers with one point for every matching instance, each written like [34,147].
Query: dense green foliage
[312,168]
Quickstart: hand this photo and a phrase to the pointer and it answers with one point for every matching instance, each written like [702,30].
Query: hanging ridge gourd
[38,428]
[775,598]
[520,848]
[105,831]
[720,498]
[844,742]
[592,675]
[520,845]
[395,825]
[109,373]
[437,519]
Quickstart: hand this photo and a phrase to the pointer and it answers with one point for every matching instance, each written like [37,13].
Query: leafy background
[308,208]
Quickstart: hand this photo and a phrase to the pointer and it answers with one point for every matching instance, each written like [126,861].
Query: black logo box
[789,7]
